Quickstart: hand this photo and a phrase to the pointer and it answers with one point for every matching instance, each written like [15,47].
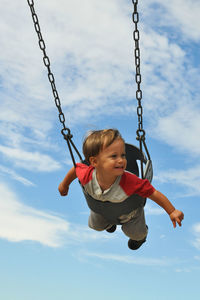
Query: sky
[47,250]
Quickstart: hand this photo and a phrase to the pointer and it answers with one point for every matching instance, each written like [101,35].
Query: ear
[93,161]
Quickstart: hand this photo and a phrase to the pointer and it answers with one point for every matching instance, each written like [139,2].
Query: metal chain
[65,131]
[136,36]
[140,131]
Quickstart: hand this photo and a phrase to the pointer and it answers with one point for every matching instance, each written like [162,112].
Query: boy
[105,179]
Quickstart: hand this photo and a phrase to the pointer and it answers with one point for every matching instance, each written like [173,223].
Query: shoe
[112,228]
[134,245]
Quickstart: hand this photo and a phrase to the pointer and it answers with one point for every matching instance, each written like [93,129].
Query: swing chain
[65,131]
[136,36]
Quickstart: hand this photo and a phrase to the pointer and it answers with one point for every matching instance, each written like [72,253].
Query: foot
[112,228]
[134,245]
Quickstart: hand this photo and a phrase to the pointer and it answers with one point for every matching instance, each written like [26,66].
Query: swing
[111,211]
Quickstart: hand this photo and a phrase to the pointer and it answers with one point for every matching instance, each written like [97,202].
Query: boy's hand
[63,189]
[176,217]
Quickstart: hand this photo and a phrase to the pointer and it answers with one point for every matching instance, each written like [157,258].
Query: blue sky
[47,250]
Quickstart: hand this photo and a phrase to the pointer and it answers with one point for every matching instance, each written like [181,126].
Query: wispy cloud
[171,79]
[20,222]
[185,19]
[15,176]
[34,161]
[143,261]
[153,210]
[187,178]
[181,128]
[82,234]
[196,232]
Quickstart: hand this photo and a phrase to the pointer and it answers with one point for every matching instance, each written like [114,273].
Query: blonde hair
[97,140]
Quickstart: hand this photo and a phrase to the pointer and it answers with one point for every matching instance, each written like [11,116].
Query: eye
[123,155]
[114,155]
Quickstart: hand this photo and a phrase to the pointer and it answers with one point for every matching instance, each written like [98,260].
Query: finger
[178,221]
[63,194]
[174,224]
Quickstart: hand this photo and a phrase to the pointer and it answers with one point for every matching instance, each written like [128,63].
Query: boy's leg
[136,228]
[98,222]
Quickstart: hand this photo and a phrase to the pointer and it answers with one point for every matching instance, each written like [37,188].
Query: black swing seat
[112,211]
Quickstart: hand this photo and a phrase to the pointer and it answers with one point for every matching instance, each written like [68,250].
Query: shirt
[123,187]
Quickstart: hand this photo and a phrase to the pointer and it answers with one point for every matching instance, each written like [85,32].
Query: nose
[121,159]
[122,162]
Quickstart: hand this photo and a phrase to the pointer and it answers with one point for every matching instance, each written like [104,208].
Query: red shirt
[124,186]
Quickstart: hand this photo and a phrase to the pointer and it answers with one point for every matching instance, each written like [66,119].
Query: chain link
[65,131]
[136,36]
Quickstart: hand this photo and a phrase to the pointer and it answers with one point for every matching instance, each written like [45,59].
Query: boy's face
[111,160]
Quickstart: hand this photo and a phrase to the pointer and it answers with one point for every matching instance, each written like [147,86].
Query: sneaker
[112,228]
[134,245]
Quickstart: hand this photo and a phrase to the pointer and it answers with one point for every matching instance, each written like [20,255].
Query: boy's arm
[64,185]
[176,216]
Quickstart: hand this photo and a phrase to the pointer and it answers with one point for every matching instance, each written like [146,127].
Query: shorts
[135,228]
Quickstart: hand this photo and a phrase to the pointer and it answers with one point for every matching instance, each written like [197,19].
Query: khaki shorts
[135,228]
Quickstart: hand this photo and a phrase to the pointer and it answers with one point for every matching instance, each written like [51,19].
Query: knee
[95,227]
[97,222]
[135,234]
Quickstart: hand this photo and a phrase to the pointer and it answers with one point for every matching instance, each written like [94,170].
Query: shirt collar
[97,189]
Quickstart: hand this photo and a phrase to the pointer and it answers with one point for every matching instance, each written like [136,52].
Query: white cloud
[34,161]
[93,66]
[181,128]
[82,234]
[183,270]
[88,75]
[15,176]
[187,178]
[196,232]
[171,76]
[186,15]
[178,14]
[144,261]
[153,209]
[19,222]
